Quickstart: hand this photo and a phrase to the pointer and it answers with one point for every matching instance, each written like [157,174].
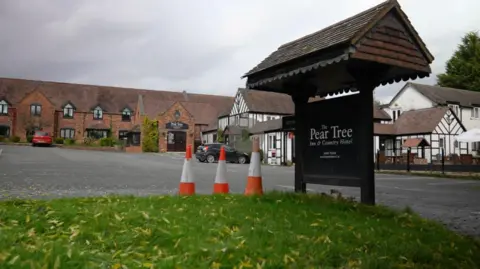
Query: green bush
[59,140]
[69,141]
[88,141]
[2,138]
[106,142]
[15,139]
[150,135]
[29,138]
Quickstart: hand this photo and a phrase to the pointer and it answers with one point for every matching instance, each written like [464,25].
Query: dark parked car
[211,152]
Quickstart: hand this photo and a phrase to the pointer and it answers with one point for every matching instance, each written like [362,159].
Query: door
[176,141]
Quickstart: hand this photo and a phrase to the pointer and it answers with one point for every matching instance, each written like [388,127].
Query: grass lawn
[273,231]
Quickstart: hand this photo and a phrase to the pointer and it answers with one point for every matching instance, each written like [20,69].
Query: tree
[376,102]
[462,71]
[32,123]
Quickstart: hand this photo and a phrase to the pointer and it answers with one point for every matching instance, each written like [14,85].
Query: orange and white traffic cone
[254,180]
[187,185]
[221,184]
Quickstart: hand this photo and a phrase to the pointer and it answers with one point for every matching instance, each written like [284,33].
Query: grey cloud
[195,45]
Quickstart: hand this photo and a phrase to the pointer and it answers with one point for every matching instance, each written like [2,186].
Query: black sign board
[332,148]
[177,125]
[288,123]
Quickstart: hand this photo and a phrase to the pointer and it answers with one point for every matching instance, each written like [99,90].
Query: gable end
[391,42]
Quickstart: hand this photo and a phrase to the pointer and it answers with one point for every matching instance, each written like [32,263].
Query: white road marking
[1,150]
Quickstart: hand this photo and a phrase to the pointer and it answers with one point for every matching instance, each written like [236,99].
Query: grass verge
[277,230]
[452,175]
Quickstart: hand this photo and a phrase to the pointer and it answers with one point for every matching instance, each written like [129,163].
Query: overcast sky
[198,46]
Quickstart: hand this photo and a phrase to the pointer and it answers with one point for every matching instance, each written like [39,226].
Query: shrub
[59,140]
[29,138]
[2,138]
[150,135]
[69,141]
[88,141]
[15,139]
[106,142]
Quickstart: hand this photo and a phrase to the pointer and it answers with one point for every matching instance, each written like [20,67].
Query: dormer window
[455,109]
[98,113]
[126,114]
[35,109]
[68,111]
[3,107]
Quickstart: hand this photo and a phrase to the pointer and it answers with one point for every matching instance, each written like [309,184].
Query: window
[97,113]
[229,149]
[455,144]
[3,108]
[396,114]
[126,114]
[475,146]
[272,142]
[35,110]
[67,133]
[455,109]
[4,131]
[135,139]
[68,111]
[475,112]
[122,135]
[97,134]
[441,143]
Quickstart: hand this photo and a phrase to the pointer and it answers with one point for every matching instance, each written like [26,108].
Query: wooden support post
[300,99]
[367,192]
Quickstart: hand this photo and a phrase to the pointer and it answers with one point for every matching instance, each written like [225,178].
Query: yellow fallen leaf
[178,242]
[56,265]
[148,265]
[117,266]
[145,215]
[27,219]
[12,261]
[216,265]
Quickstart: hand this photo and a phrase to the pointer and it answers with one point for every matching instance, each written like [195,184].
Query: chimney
[185,96]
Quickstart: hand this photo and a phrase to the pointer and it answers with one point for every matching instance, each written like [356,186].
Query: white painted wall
[208,137]
[409,99]
[268,148]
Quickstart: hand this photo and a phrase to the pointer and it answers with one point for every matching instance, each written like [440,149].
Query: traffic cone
[254,180]
[221,184]
[187,185]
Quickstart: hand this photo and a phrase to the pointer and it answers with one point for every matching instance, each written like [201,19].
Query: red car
[42,138]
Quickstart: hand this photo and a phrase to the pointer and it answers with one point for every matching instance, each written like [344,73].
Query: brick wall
[8,120]
[83,120]
[169,116]
[24,118]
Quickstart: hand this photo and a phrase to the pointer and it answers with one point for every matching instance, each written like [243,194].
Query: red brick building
[77,111]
